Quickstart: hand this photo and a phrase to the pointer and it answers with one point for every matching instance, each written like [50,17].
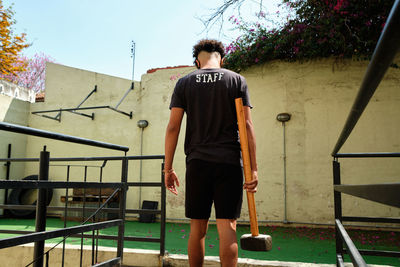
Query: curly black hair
[210,46]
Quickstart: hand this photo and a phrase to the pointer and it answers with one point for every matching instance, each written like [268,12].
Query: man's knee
[226,224]
[198,227]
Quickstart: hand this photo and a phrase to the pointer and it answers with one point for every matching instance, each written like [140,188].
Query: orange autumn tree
[10,44]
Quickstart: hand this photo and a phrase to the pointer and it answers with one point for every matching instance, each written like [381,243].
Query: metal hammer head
[256,243]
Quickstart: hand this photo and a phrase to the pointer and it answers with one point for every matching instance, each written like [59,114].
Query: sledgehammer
[253,241]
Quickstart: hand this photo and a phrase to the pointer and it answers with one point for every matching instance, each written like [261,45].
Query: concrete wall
[66,87]
[23,254]
[12,111]
[318,94]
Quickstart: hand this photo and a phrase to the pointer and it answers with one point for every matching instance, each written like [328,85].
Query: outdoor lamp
[283,117]
[142,124]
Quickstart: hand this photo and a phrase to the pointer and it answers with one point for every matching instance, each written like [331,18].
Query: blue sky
[96,35]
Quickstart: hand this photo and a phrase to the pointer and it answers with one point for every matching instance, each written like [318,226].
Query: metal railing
[385,51]
[78,231]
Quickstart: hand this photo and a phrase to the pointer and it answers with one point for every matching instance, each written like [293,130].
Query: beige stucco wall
[66,87]
[318,94]
[12,111]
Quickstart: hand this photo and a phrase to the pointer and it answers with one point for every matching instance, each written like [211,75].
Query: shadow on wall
[17,112]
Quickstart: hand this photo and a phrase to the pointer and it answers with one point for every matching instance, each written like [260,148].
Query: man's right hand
[170,181]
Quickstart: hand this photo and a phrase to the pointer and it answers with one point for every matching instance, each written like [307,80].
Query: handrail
[385,51]
[57,136]
[355,256]
[368,155]
[85,158]
[39,236]
[10,184]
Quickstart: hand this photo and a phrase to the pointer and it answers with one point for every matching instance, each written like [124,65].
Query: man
[213,166]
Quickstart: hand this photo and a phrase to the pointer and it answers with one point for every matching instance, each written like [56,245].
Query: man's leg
[196,247]
[228,247]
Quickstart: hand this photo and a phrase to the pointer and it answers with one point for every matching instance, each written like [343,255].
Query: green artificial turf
[300,244]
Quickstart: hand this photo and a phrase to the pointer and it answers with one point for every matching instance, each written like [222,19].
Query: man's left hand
[251,186]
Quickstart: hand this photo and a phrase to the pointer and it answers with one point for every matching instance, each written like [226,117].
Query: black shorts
[208,183]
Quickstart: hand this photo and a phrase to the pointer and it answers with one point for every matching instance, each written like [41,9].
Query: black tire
[15,198]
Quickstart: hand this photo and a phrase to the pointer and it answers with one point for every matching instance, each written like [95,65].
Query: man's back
[207,96]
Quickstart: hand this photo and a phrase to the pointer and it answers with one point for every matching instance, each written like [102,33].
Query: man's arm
[171,140]
[252,185]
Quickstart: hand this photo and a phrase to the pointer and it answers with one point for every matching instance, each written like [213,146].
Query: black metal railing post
[122,208]
[83,215]
[8,168]
[163,212]
[41,207]
[65,215]
[338,208]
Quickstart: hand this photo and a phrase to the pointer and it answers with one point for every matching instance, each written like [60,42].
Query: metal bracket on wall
[74,110]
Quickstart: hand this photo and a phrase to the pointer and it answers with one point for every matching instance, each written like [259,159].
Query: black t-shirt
[208,98]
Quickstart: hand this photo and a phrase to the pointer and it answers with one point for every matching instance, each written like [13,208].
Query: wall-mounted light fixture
[283,117]
[142,124]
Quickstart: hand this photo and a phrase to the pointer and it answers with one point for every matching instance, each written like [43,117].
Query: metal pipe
[8,168]
[384,53]
[86,98]
[56,118]
[125,95]
[122,112]
[87,158]
[354,254]
[140,167]
[68,109]
[382,253]
[65,216]
[109,263]
[82,114]
[40,225]
[163,212]
[133,54]
[337,198]
[59,184]
[284,117]
[122,207]
[370,219]
[83,214]
[284,173]
[150,184]
[60,208]
[368,155]
[8,163]
[99,204]
[57,136]
[28,238]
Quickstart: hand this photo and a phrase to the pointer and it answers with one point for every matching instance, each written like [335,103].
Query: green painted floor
[300,244]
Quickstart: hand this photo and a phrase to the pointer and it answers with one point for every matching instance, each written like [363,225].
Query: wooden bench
[91,197]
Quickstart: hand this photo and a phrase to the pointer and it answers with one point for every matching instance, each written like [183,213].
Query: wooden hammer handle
[244,145]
